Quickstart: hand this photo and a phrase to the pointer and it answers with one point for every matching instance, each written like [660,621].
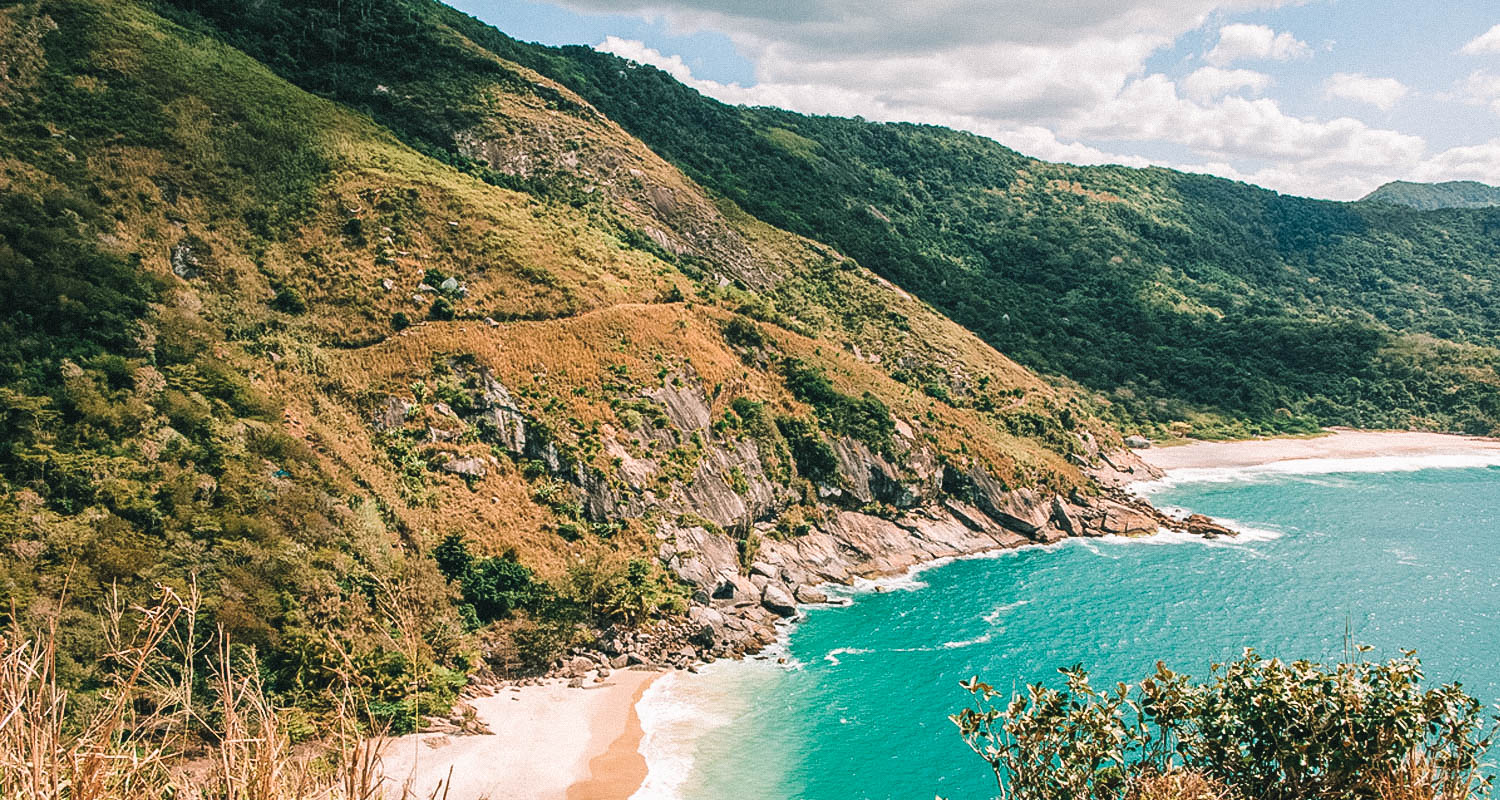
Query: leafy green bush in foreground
[1258,728]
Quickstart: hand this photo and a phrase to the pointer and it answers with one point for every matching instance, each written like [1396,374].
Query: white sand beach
[1339,443]
[548,742]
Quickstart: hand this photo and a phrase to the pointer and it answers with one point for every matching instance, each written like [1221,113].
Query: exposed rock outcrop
[716,503]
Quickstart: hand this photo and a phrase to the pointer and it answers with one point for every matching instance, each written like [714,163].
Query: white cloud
[1056,80]
[1479,162]
[637,51]
[1207,84]
[1242,41]
[1487,42]
[1383,93]
[1480,89]
[1150,109]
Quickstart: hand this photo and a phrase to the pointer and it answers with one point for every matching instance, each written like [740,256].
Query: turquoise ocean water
[1404,559]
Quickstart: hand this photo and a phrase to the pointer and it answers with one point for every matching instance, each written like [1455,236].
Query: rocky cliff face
[733,527]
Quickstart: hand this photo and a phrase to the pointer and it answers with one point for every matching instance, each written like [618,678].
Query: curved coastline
[613,735]
[1340,450]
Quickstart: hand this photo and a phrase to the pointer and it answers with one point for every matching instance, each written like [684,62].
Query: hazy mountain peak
[1430,196]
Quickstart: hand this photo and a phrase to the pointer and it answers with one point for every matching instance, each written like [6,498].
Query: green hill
[1194,303]
[409,363]
[414,351]
[1431,196]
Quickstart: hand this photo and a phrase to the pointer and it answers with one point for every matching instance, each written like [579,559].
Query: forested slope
[1194,302]
[1431,196]
[434,369]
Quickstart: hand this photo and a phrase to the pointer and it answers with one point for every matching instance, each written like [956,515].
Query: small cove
[1402,558]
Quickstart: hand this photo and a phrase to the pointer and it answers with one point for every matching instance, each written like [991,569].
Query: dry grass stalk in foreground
[132,739]
[1179,785]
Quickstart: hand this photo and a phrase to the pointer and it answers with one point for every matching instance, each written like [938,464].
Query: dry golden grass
[153,733]
[1179,785]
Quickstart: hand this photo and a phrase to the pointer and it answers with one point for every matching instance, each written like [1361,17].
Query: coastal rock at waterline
[1122,520]
[1200,525]
[809,595]
[778,600]
[1063,517]
[1049,535]
[1020,510]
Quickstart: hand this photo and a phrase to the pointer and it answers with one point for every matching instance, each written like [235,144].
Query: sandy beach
[1340,443]
[547,742]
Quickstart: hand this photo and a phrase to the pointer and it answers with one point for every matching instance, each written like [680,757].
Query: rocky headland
[747,545]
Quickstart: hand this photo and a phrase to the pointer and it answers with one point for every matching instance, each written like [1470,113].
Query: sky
[1323,98]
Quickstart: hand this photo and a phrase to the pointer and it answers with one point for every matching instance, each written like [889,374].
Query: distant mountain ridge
[1433,196]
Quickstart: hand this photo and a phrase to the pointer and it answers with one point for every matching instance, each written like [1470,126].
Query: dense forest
[1432,196]
[273,342]
[1195,305]
[1192,302]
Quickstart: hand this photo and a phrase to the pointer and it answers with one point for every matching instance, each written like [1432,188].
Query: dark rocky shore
[735,611]
[722,531]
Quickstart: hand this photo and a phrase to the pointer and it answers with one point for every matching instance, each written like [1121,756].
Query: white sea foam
[983,638]
[1318,466]
[680,710]
[832,656]
[999,611]
[670,723]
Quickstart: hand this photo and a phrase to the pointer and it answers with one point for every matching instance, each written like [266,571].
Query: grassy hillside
[1195,303]
[1432,196]
[395,377]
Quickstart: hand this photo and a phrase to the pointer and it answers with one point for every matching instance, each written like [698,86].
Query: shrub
[442,309]
[865,418]
[289,301]
[493,588]
[614,593]
[742,332]
[813,456]
[399,321]
[1260,727]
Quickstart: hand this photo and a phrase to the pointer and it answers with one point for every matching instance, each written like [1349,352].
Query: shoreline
[1339,444]
[545,742]
[619,771]
[554,742]
[1333,446]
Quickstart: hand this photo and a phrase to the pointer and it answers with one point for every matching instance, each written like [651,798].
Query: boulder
[707,624]
[778,600]
[805,594]
[391,414]
[471,467]
[737,589]
[1022,510]
[1122,520]
[1062,517]
[1137,442]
